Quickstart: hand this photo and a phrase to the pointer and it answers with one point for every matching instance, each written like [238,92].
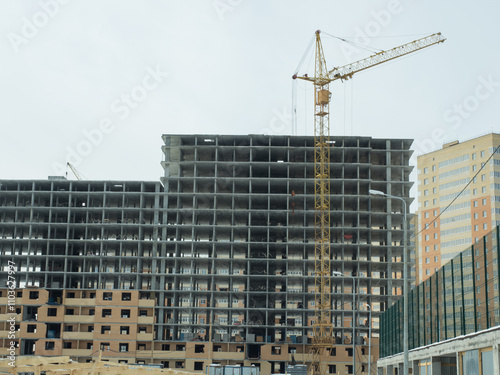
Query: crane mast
[322,326]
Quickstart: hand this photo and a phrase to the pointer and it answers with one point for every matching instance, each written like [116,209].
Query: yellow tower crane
[323,328]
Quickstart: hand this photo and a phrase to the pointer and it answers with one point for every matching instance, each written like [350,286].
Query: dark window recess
[70,311]
[107,296]
[68,328]
[92,312]
[124,330]
[125,313]
[143,330]
[89,345]
[31,328]
[143,312]
[105,329]
[34,294]
[70,295]
[90,329]
[106,313]
[51,312]
[199,348]
[105,346]
[49,345]
[19,294]
[123,347]
[332,369]
[198,366]
[126,296]
[67,345]
[180,348]
[179,364]
[165,347]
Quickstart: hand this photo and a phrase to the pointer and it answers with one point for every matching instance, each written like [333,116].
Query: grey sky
[138,69]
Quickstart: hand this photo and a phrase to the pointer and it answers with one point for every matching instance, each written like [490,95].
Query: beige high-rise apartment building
[458,199]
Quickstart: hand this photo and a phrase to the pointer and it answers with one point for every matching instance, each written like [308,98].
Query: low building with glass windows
[454,318]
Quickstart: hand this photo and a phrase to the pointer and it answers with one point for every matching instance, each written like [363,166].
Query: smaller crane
[77,174]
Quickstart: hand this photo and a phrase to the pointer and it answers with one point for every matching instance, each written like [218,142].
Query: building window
[474,156]
[426,181]
[31,328]
[426,203]
[475,204]
[49,345]
[476,228]
[434,201]
[434,190]
[143,312]
[484,201]
[485,226]
[198,366]
[435,224]
[485,213]
[67,344]
[435,236]
[68,328]
[474,168]
[436,258]
[126,296]
[70,295]
[426,215]
[483,189]
[123,347]
[427,260]
[427,272]
[434,168]
[125,313]
[105,329]
[34,295]
[434,179]
[51,312]
[426,192]
[426,170]
[107,296]
[427,237]
[482,154]
[70,311]
[474,191]
[476,215]
[106,313]
[483,177]
[124,330]
[435,247]
[435,212]
[427,249]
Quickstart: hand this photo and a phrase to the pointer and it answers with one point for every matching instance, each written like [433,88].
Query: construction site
[253,251]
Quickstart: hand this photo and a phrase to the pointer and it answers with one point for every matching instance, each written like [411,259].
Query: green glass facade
[462,297]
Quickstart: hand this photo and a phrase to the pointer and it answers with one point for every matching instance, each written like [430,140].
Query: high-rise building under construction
[216,263]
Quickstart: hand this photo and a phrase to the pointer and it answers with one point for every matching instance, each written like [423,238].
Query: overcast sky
[98,82]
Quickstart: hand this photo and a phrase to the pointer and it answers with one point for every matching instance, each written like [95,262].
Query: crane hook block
[323,97]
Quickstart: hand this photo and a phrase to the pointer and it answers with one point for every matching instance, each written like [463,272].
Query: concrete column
[496,357]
